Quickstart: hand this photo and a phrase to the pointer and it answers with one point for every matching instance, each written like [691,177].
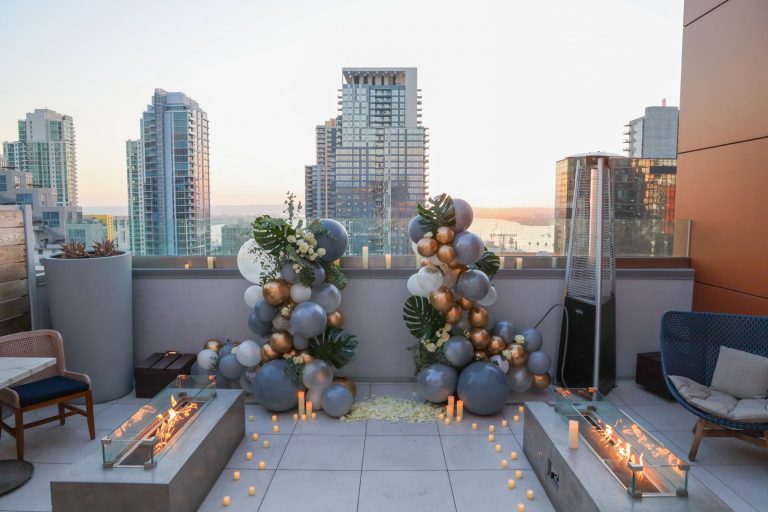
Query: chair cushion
[48,389]
[747,410]
[741,374]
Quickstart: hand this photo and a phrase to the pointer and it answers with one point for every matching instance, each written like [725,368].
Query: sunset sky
[508,87]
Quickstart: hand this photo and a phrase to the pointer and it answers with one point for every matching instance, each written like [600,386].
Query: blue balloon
[335,245]
[538,362]
[264,310]
[226,349]
[318,275]
[469,248]
[229,367]
[257,326]
[273,388]
[533,339]
[288,274]
[308,319]
[221,381]
[483,387]
[337,400]
[199,370]
[416,230]
[464,214]
[505,330]
[436,382]
[328,296]
[458,351]
[474,284]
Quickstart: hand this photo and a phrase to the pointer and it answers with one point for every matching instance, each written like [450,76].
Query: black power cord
[565,348]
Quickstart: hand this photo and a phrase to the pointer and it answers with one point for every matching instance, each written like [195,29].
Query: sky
[508,87]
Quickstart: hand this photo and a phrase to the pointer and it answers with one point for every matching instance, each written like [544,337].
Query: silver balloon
[469,247]
[319,275]
[288,274]
[538,362]
[229,367]
[483,387]
[274,388]
[464,215]
[489,299]
[280,323]
[264,310]
[416,229]
[308,319]
[533,340]
[474,284]
[435,383]
[248,353]
[207,358]
[252,295]
[501,362]
[300,342]
[505,330]
[337,400]
[458,351]
[315,395]
[328,296]
[300,293]
[429,279]
[519,379]
[247,264]
[317,374]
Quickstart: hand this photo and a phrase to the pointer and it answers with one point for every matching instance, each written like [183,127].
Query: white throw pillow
[741,374]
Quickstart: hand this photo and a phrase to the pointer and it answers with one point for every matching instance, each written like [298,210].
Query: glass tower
[372,163]
[172,187]
[654,135]
[134,157]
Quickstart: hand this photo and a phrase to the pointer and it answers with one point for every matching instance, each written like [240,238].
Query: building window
[24,198]
[51,218]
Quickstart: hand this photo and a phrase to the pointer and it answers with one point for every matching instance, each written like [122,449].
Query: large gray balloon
[483,387]
[328,296]
[226,349]
[319,275]
[337,400]
[230,367]
[300,342]
[505,330]
[458,351]
[288,274]
[308,319]
[335,245]
[435,383]
[273,388]
[533,340]
[257,326]
[464,215]
[519,379]
[416,230]
[469,248]
[317,374]
[538,362]
[264,310]
[474,284]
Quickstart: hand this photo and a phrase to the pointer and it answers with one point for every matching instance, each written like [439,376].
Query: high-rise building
[654,135]
[168,178]
[372,163]
[122,233]
[46,148]
[106,219]
[643,198]
[233,236]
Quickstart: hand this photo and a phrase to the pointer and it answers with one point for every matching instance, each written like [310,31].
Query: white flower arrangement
[520,339]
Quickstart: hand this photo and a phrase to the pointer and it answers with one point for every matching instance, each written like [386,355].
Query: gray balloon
[229,367]
[337,400]
[319,275]
[288,274]
[221,381]
[435,383]
[505,330]
[464,215]
[246,378]
[538,362]
[474,284]
[328,296]
[416,230]
[273,388]
[257,326]
[462,325]
[533,339]
[264,310]
[483,388]
[261,340]
[469,248]
[226,349]
[458,351]
[308,319]
[300,342]
[519,379]
[317,374]
[198,370]
[335,245]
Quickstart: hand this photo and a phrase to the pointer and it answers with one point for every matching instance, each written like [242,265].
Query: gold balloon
[444,235]
[441,299]
[541,381]
[458,266]
[519,355]
[335,319]
[306,356]
[214,345]
[268,353]
[427,247]
[347,383]
[446,253]
[281,342]
[480,355]
[478,317]
[454,314]
[276,292]
[465,303]
[496,345]
[479,338]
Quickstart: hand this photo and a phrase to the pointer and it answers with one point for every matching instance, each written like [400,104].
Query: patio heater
[587,352]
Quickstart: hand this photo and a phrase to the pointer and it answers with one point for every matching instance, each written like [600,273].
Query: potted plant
[90,296]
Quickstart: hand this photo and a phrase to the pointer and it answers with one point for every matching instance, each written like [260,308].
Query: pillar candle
[441,416]
[303,417]
[211,261]
[252,490]
[227,501]
[459,407]
[451,402]
[189,266]
[301,403]
[520,409]
[573,434]
[236,475]
[365,256]
[388,260]
[447,420]
[309,408]
[459,418]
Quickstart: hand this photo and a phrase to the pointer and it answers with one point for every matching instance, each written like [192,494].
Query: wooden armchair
[51,386]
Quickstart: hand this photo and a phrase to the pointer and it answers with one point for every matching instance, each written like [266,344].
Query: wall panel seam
[732,290]
[763,137]
[694,20]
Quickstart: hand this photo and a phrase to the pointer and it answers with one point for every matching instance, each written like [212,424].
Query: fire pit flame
[169,421]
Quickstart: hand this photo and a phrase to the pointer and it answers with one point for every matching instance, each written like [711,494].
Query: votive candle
[573,434]
[255,436]
[474,426]
[529,494]
[303,417]
[516,418]
[265,444]
[309,408]
[314,415]
[441,416]
[498,448]
[275,428]
[504,463]
[491,428]
[252,490]
[262,464]
[295,417]
[274,418]
[511,483]
[518,475]
[248,455]
[251,418]
[513,455]
[301,402]
[504,423]
[447,420]
[491,438]
[520,409]
[236,475]
[520,507]
[189,266]
[227,501]
[459,418]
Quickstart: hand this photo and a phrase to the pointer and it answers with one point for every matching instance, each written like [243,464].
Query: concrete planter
[91,305]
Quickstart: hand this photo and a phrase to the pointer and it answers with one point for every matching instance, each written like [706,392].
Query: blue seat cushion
[48,389]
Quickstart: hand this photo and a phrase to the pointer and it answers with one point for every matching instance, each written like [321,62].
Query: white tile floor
[377,466]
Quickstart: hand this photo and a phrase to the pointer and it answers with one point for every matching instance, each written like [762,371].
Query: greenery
[334,346]
[423,357]
[421,318]
[295,371]
[334,275]
[489,263]
[438,213]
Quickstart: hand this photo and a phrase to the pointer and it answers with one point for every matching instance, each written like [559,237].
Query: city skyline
[259,64]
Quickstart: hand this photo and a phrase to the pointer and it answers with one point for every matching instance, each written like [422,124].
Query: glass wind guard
[143,438]
[641,463]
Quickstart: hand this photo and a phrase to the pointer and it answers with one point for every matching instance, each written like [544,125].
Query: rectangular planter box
[159,370]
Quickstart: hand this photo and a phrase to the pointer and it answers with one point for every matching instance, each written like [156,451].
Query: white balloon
[315,395]
[430,279]
[414,247]
[413,286]
[246,262]
[252,294]
[501,362]
[207,358]
[489,298]
[248,353]
[300,293]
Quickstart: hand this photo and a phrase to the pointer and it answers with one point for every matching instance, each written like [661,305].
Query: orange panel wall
[722,181]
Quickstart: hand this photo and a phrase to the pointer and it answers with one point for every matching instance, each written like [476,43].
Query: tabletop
[14,369]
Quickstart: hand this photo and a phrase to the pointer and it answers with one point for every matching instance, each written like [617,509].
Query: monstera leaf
[334,275]
[270,234]
[488,263]
[439,213]
[421,318]
[334,345]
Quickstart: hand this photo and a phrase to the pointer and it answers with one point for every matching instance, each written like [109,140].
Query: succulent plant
[104,248]
[73,250]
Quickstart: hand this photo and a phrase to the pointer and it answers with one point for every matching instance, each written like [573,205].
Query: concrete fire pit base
[179,482]
[577,480]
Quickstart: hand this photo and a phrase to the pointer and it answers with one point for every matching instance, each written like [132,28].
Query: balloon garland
[299,341]
[459,351]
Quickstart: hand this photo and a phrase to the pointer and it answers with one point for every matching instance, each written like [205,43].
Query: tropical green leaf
[334,275]
[423,357]
[334,346]
[271,234]
[295,371]
[438,213]
[421,318]
[489,263]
